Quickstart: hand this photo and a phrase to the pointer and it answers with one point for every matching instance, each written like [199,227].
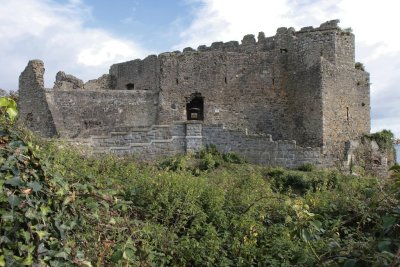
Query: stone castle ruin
[289,99]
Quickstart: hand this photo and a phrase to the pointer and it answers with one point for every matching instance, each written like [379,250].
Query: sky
[85,37]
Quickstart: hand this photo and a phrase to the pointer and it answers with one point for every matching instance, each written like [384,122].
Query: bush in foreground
[60,208]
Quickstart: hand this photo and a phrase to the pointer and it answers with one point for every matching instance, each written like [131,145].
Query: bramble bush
[61,208]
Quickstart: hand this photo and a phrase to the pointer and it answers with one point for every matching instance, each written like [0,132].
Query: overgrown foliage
[359,66]
[60,208]
[8,109]
[384,139]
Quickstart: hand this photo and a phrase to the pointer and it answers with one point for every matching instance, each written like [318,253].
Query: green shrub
[231,157]
[359,66]
[384,139]
[306,167]
[61,208]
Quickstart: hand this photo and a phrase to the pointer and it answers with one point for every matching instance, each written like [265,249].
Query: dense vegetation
[61,208]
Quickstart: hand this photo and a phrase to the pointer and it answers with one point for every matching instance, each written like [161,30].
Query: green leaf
[15,181]
[42,249]
[80,255]
[2,261]
[26,235]
[7,217]
[12,113]
[317,225]
[14,201]
[30,213]
[62,254]
[129,254]
[44,210]
[42,234]
[305,234]
[36,187]
[116,256]
[384,245]
[28,261]
[4,101]
[388,221]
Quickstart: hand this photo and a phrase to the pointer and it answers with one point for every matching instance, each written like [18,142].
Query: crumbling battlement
[297,85]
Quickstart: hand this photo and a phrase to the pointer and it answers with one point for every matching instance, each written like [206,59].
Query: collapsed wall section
[33,108]
[136,74]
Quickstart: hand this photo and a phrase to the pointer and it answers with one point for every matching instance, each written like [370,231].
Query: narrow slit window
[347,113]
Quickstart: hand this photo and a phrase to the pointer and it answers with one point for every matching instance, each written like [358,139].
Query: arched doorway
[195,107]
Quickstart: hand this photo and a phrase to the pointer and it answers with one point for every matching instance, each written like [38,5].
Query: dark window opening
[226,81]
[195,108]
[283,50]
[362,104]
[347,113]
[177,81]
[273,81]
[130,86]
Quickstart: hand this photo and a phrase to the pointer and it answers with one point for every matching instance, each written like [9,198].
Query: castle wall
[241,90]
[346,103]
[136,74]
[262,149]
[292,86]
[81,113]
[167,140]
[146,143]
[305,49]
[33,108]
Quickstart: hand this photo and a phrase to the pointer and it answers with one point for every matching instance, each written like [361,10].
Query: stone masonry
[300,87]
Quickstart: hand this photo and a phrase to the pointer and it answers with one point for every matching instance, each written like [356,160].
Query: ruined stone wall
[292,86]
[364,156]
[263,149]
[300,55]
[240,90]
[167,140]
[105,82]
[136,74]
[81,113]
[146,143]
[322,83]
[346,105]
[33,108]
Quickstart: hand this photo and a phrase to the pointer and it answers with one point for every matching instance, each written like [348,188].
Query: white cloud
[373,22]
[226,20]
[56,33]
